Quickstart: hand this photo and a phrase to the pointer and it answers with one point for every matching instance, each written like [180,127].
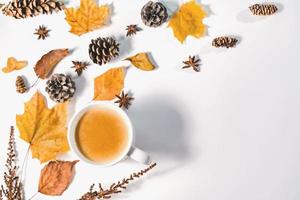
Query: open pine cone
[102,50]
[60,87]
[29,8]
[154,14]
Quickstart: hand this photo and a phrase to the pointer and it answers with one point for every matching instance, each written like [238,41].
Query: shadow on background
[160,131]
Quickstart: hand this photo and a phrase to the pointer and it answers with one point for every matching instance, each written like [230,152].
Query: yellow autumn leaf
[188,21]
[44,129]
[109,84]
[141,61]
[88,17]
[13,64]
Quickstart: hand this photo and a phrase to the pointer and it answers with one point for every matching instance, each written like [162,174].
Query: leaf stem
[24,164]
[33,196]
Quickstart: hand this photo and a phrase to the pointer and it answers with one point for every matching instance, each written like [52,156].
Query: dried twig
[115,187]
[12,189]
[1,198]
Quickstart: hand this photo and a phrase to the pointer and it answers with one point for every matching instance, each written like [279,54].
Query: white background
[229,132]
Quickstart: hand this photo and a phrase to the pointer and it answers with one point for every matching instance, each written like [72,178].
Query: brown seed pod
[263,9]
[20,85]
[224,41]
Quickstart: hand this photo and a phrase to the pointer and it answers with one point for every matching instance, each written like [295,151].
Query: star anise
[193,62]
[80,66]
[124,100]
[42,32]
[132,29]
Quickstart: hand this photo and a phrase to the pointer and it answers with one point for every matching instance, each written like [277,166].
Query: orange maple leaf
[44,129]
[88,17]
[188,21]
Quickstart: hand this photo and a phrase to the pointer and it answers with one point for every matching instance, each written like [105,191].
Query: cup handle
[139,155]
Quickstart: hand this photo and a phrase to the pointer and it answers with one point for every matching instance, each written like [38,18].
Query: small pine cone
[60,87]
[263,9]
[20,85]
[224,41]
[20,9]
[154,14]
[103,49]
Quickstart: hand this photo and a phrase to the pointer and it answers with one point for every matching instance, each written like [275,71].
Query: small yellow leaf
[44,129]
[88,17]
[13,64]
[109,84]
[188,21]
[141,61]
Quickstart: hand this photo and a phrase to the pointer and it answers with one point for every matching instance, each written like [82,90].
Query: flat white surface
[230,132]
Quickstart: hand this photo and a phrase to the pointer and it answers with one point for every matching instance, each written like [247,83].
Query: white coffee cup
[129,151]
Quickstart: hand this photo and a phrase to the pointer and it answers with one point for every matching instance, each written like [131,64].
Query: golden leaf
[188,21]
[141,61]
[44,129]
[48,61]
[109,84]
[12,64]
[88,17]
[56,176]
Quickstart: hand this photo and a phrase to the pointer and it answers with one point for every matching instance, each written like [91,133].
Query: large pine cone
[60,87]
[154,14]
[29,8]
[102,50]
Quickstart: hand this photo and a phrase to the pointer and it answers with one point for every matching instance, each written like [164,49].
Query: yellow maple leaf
[141,61]
[88,17]
[44,129]
[188,21]
[13,64]
[109,84]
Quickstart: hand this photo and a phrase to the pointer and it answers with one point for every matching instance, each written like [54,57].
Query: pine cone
[102,50]
[263,9]
[20,85]
[29,8]
[224,42]
[60,87]
[154,14]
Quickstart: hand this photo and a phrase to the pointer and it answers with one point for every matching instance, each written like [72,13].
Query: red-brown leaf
[56,176]
[46,64]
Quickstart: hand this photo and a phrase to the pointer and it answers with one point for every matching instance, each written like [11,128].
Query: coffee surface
[101,135]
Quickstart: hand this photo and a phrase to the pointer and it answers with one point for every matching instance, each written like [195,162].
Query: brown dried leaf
[56,176]
[109,84]
[141,61]
[46,64]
